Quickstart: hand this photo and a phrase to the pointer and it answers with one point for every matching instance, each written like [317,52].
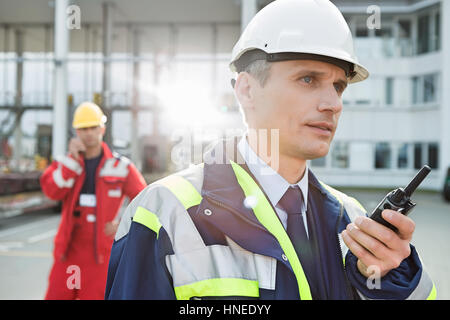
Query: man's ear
[244,90]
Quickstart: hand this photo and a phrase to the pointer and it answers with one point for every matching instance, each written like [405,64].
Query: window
[433,155]
[405,28]
[415,89]
[384,32]
[389,90]
[339,156]
[362,32]
[425,88]
[426,153]
[402,158]
[437,32]
[382,155]
[423,33]
[429,88]
[417,156]
[405,42]
[362,102]
[385,40]
[362,93]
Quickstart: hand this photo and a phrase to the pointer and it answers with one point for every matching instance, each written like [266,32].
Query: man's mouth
[322,125]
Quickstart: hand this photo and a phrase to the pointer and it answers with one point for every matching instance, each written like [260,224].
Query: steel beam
[60,112]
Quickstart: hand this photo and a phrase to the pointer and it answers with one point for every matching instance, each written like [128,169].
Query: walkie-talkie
[399,199]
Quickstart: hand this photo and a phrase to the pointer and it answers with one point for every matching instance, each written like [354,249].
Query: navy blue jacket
[137,268]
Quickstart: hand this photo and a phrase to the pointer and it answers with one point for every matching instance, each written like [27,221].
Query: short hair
[260,70]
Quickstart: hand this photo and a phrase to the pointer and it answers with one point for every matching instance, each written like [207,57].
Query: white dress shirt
[274,185]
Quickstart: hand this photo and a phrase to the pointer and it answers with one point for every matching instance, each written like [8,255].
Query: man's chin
[315,149]
[306,154]
[316,153]
[91,145]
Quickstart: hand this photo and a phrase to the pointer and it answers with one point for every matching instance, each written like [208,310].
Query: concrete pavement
[26,244]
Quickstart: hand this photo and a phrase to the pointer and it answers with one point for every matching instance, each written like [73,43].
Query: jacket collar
[220,181]
[107,154]
[222,191]
[106,151]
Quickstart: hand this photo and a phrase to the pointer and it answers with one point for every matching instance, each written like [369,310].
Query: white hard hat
[299,29]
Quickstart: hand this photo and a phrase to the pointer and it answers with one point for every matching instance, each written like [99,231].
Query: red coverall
[81,248]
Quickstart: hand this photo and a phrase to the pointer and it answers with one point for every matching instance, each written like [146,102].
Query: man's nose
[330,100]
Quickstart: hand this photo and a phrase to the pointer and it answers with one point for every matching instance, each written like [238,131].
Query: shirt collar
[273,184]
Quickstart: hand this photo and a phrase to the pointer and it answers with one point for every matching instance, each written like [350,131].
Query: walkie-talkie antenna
[411,187]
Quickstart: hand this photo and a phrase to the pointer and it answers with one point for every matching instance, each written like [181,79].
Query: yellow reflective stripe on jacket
[358,204]
[148,219]
[433,293]
[268,218]
[219,287]
[183,190]
[338,196]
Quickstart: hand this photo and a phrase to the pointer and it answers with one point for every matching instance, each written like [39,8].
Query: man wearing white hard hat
[245,224]
[91,181]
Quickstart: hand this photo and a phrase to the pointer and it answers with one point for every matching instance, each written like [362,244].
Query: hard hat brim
[359,73]
[88,125]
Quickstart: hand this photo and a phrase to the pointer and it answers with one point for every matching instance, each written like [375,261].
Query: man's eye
[338,88]
[307,79]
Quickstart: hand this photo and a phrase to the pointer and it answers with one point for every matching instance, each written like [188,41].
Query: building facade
[397,120]
[169,60]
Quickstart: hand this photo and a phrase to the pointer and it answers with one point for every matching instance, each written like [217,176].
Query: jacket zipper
[339,251]
[95,241]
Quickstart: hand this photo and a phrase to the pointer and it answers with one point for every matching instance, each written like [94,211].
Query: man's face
[92,136]
[301,98]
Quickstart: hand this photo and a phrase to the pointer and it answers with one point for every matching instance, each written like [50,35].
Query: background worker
[243,225]
[91,182]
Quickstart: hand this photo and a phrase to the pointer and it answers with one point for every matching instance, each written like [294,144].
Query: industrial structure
[159,69]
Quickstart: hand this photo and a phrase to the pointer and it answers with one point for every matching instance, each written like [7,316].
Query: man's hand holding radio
[376,245]
[76,146]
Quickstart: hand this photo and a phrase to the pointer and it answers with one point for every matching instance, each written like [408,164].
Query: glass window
[423,43]
[389,90]
[417,155]
[433,155]
[405,28]
[340,155]
[402,158]
[384,32]
[362,102]
[405,42]
[429,88]
[437,32]
[362,93]
[415,89]
[382,155]
[362,32]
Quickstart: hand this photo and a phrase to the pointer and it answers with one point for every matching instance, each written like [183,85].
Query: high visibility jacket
[210,232]
[116,177]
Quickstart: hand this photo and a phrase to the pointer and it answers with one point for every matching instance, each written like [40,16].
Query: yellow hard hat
[88,114]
